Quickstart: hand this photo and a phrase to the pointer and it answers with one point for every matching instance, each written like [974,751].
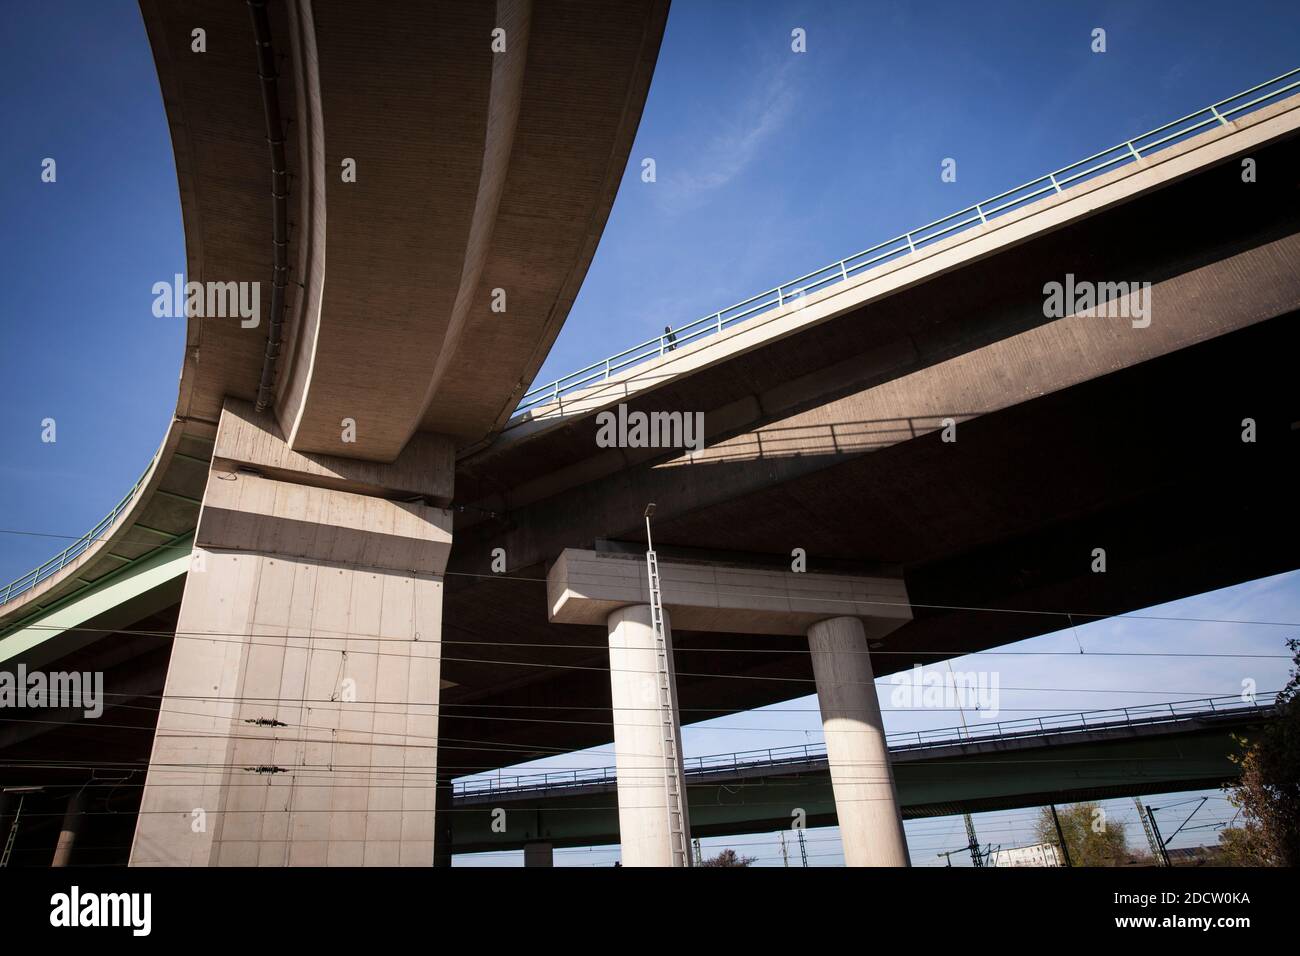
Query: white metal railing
[1216,114]
[1065,723]
[38,574]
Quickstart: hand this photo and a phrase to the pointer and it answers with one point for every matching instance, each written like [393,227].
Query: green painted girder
[138,589]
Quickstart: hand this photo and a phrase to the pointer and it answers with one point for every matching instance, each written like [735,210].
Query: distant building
[1195,856]
[1039,854]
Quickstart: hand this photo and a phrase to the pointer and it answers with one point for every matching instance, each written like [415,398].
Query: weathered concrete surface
[584,85]
[424,469]
[299,722]
[218,128]
[967,344]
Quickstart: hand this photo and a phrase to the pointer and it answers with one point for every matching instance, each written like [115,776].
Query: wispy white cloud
[736,146]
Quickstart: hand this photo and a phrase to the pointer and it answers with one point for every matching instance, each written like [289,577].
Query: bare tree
[728,858]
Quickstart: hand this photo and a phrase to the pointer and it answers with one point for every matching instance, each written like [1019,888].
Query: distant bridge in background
[1063,758]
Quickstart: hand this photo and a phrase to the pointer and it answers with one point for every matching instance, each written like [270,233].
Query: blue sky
[769,164]
[78,340]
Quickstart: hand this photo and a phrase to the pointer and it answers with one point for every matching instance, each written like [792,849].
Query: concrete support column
[442,834]
[539,854]
[640,754]
[589,587]
[72,820]
[866,802]
[299,719]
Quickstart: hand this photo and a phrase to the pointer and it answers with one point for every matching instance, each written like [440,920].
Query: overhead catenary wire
[402,773]
[1066,614]
[287,786]
[597,647]
[605,723]
[245,640]
[602,647]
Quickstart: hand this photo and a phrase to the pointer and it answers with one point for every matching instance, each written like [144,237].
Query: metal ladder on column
[1157,851]
[677,837]
[13,834]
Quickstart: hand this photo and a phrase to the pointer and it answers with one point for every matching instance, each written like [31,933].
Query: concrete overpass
[1065,758]
[1074,432]
[824,433]
[476,169]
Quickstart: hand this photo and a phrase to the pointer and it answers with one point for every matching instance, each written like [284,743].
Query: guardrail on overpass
[56,564]
[1130,150]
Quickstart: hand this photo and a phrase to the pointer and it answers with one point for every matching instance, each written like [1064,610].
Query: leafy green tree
[1268,791]
[1239,847]
[1089,835]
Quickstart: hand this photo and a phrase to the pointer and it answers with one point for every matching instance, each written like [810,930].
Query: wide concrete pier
[299,721]
[836,611]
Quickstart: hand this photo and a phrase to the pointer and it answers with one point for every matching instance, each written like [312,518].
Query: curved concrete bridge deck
[477,170]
